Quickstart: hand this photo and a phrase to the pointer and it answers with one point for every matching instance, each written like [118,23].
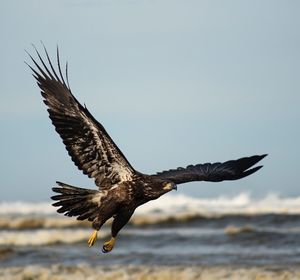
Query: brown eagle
[121,188]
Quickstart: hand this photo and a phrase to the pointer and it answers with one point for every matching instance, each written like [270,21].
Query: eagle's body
[120,200]
[121,189]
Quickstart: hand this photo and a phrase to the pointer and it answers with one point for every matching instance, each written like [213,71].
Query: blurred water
[159,234]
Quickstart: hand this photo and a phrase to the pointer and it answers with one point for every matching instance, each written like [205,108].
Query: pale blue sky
[173,82]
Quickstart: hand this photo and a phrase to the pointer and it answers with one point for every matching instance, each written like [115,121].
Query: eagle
[120,187]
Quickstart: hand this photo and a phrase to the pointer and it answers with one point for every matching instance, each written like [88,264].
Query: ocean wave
[26,208]
[175,204]
[233,230]
[25,222]
[138,220]
[85,271]
[167,209]
[61,222]
[236,230]
[42,237]
[223,205]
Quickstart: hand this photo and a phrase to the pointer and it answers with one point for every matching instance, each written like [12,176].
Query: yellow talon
[108,245]
[93,238]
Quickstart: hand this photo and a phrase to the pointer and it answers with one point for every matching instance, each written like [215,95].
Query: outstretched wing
[89,145]
[213,172]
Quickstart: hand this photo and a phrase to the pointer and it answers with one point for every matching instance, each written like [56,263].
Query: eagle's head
[169,186]
[158,187]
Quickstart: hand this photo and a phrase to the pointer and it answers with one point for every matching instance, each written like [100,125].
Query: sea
[174,237]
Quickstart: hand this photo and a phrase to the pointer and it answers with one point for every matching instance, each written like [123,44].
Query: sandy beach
[83,271]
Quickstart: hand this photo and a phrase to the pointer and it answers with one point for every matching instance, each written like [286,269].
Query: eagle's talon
[104,250]
[108,246]
[92,238]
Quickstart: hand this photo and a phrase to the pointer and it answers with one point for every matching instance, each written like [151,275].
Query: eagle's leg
[97,224]
[93,238]
[119,221]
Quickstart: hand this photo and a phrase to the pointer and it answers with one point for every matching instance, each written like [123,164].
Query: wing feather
[87,142]
[213,172]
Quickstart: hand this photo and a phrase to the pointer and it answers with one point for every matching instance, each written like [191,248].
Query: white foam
[26,208]
[45,237]
[240,204]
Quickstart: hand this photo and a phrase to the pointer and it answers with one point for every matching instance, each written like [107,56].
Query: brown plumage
[121,189]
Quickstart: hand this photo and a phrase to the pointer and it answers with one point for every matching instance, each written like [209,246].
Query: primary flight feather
[121,188]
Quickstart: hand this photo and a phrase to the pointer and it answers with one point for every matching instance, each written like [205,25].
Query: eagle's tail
[74,201]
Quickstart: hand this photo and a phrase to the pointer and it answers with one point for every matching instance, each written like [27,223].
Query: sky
[173,82]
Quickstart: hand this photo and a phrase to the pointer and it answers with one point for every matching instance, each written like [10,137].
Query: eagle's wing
[213,172]
[89,145]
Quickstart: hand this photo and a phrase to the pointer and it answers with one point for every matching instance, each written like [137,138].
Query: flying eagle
[121,188]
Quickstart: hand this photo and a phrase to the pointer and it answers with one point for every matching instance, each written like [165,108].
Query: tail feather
[74,201]
[62,200]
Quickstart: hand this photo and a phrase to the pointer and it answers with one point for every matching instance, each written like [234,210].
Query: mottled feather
[89,145]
